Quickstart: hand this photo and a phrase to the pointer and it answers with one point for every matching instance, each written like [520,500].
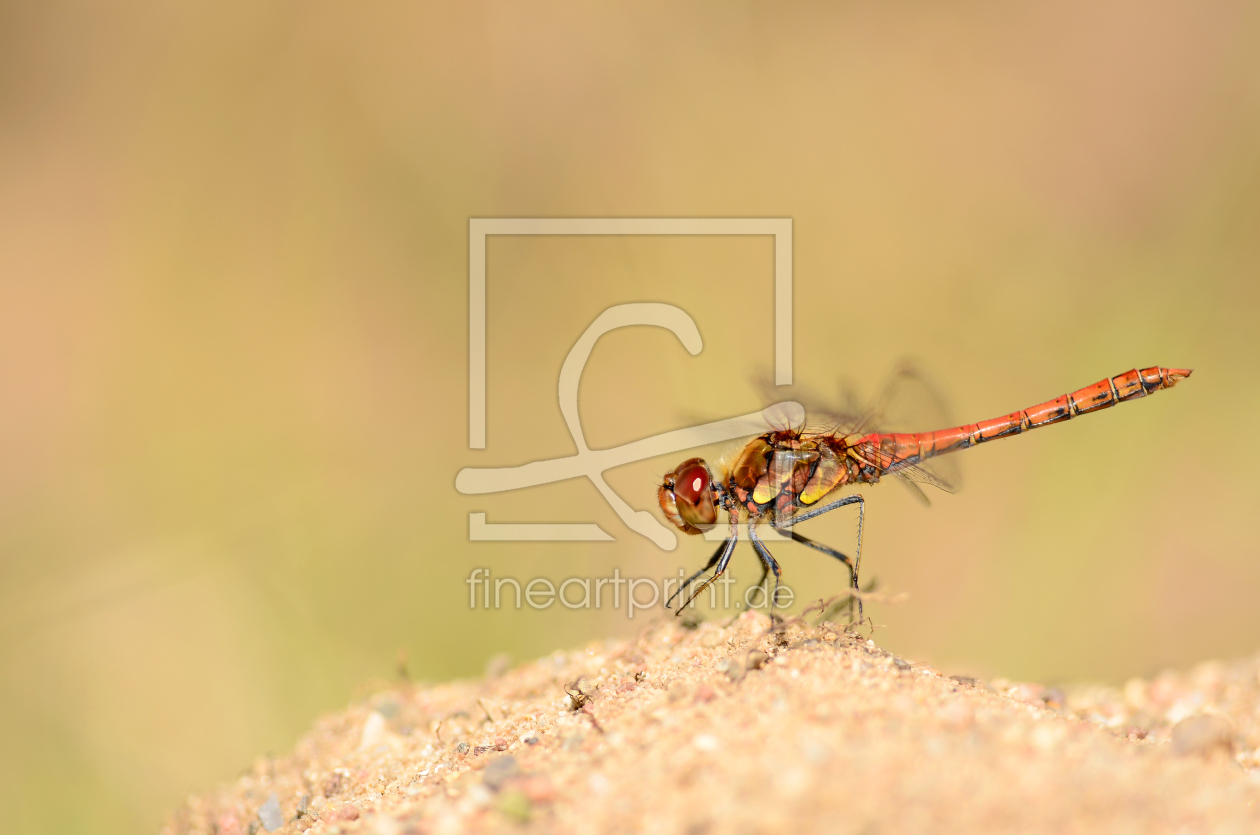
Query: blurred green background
[233,337]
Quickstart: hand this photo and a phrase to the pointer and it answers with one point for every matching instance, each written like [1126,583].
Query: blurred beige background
[233,337]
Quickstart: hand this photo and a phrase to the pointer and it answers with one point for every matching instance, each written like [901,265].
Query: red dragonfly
[783,476]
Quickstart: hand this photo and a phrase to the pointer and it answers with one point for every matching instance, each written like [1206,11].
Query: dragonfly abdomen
[909,448]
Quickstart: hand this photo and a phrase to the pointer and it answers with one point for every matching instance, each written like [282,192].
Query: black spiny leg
[764,553]
[713,560]
[853,565]
[722,558]
[832,552]
[761,582]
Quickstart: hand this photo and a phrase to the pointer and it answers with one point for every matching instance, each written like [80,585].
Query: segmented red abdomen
[900,449]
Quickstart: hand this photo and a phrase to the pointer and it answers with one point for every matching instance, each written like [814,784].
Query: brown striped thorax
[785,471]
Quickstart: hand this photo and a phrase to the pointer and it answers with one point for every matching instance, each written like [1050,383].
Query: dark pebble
[499,770]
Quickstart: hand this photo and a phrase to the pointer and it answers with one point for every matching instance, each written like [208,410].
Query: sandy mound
[746,729]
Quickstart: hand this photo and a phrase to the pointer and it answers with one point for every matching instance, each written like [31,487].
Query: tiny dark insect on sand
[783,476]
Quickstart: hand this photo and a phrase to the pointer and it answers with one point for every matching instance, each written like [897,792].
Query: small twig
[489,718]
[589,710]
[576,694]
[822,605]
[403,673]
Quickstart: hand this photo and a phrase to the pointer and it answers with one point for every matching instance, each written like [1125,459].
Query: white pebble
[373,730]
[706,742]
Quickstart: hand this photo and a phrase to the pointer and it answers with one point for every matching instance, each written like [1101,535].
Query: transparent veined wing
[907,402]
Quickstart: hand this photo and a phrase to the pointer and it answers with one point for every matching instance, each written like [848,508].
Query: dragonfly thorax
[774,475]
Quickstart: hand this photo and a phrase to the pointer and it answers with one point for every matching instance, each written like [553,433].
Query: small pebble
[957,714]
[712,639]
[1046,736]
[462,748]
[269,813]
[373,731]
[1204,734]
[515,805]
[706,742]
[1029,693]
[537,787]
[499,770]
[480,795]
[498,665]
[815,752]
[387,707]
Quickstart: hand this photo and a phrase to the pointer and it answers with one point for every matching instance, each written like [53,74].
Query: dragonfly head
[686,497]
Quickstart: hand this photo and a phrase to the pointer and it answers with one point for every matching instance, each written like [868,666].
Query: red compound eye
[690,500]
[691,483]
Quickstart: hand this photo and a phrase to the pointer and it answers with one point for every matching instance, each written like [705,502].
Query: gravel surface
[745,728]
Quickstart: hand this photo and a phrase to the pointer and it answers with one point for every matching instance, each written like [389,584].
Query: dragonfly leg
[832,552]
[761,581]
[723,557]
[770,563]
[785,526]
[683,586]
[819,511]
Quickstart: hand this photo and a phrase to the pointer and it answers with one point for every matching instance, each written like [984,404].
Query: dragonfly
[791,474]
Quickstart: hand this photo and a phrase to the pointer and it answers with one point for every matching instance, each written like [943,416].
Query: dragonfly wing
[822,415]
[908,402]
[912,472]
[916,490]
[911,402]
[914,475]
